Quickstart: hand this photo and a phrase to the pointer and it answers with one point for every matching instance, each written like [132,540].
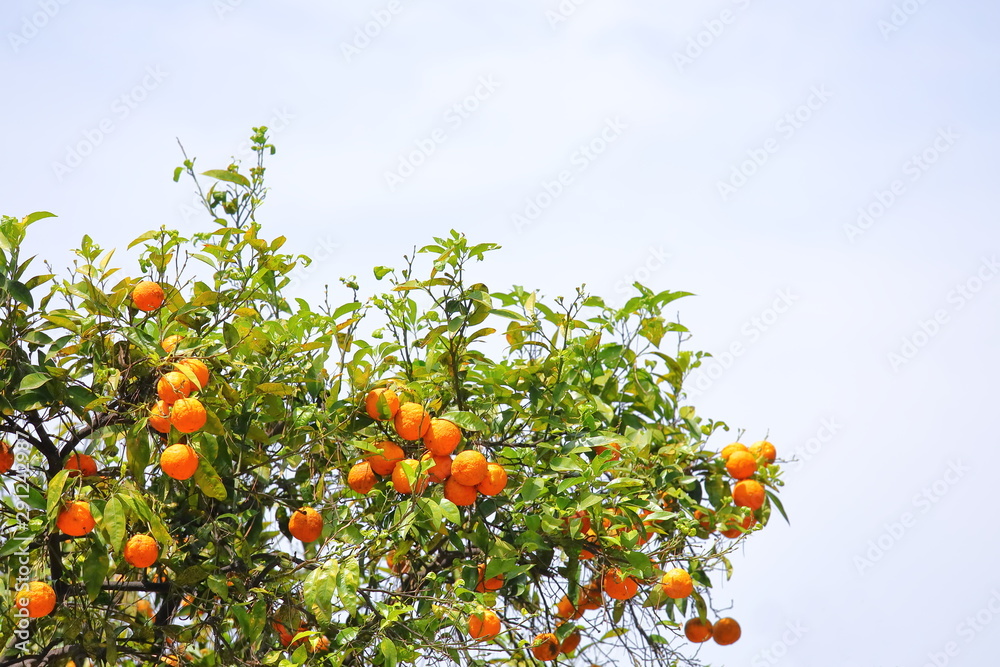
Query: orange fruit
[173,386]
[584,521]
[39,599]
[382,404]
[361,478]
[81,464]
[188,415]
[726,631]
[730,449]
[442,437]
[491,584]
[159,416]
[565,609]
[141,551]
[384,462]
[545,647]
[459,494]
[570,643]
[733,526]
[171,660]
[697,630]
[400,481]
[591,596]
[6,457]
[441,470]
[411,421]
[762,449]
[179,461]
[741,465]
[402,566]
[495,480]
[706,521]
[600,449]
[469,468]
[591,538]
[320,644]
[484,626]
[75,518]
[305,524]
[618,586]
[169,344]
[147,296]
[144,607]
[676,584]
[749,493]
[195,370]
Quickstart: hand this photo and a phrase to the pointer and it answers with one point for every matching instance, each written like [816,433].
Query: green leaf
[388,651]
[467,420]
[231,335]
[113,523]
[381,272]
[145,237]
[35,217]
[348,578]
[95,569]
[319,588]
[208,480]
[53,497]
[33,381]
[21,293]
[276,388]
[777,503]
[191,575]
[229,176]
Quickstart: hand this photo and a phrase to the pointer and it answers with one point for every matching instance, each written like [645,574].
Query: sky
[820,175]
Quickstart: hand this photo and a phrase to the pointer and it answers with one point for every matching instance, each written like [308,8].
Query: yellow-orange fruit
[179,461]
[188,415]
[618,586]
[6,457]
[147,296]
[361,478]
[459,494]
[468,468]
[749,493]
[614,446]
[305,524]
[400,566]
[385,462]
[570,643]
[197,368]
[441,470]
[382,404]
[495,480]
[144,608]
[484,626]
[402,484]
[173,386]
[565,609]
[411,421]
[584,521]
[442,437]
[728,450]
[141,551]
[75,518]
[159,416]
[726,631]
[733,526]
[741,465]
[697,630]
[676,584]
[591,597]
[491,584]
[545,647]
[169,344]
[39,599]
[81,464]
[763,449]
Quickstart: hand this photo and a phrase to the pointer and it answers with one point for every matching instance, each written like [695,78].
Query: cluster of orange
[287,639]
[725,631]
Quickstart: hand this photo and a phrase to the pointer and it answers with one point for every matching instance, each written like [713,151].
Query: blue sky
[807,111]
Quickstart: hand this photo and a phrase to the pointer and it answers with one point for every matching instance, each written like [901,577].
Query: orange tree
[200,470]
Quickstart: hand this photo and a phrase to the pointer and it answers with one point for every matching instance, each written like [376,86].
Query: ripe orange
[706,521]
[361,478]
[144,607]
[726,631]
[411,421]
[570,643]
[763,449]
[402,484]
[591,596]
[731,449]
[173,386]
[305,524]
[141,551]
[81,464]
[491,584]
[159,416]
[545,647]
[676,584]
[385,462]
[442,437]
[147,296]
[584,521]
[441,470]
[188,415]
[484,626]
[401,566]
[469,468]
[741,465]
[39,599]
[749,493]
[6,457]
[565,609]
[590,537]
[169,344]
[75,518]
[618,586]
[382,404]
[179,461]
[697,630]
[600,449]
[733,526]
[459,494]
[171,660]
[495,480]
[197,369]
